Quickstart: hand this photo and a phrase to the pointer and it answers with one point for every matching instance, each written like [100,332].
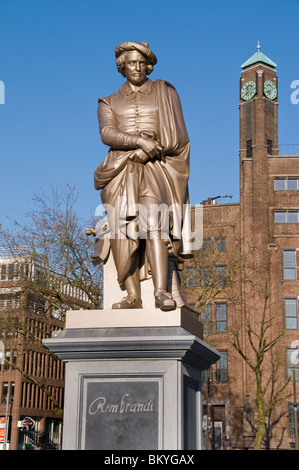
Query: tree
[53,255]
[238,285]
[214,271]
[50,257]
[262,345]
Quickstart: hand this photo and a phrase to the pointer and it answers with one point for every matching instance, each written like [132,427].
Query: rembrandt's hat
[142,47]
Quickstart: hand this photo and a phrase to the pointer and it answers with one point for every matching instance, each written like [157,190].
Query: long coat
[118,176]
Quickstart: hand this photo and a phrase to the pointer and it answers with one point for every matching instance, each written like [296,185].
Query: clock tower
[258,148]
[258,145]
[258,108]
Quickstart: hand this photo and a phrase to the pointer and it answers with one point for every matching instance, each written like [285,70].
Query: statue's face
[135,68]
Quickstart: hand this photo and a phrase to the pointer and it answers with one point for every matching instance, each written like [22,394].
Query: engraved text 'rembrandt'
[100,405]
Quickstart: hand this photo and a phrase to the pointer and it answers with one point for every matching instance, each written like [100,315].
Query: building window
[221,318]
[4,393]
[36,304]
[191,277]
[12,392]
[221,368]
[3,272]
[11,269]
[289,265]
[205,276]
[207,375]
[9,301]
[220,244]
[249,148]
[206,318]
[206,244]
[220,275]
[7,359]
[286,217]
[292,418]
[289,183]
[214,320]
[7,272]
[11,357]
[290,313]
[8,389]
[11,272]
[209,276]
[293,362]
[269,146]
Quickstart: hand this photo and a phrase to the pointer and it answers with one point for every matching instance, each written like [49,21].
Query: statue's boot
[157,254]
[133,299]
[128,302]
[164,301]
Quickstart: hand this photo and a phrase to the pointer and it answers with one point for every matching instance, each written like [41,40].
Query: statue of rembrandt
[147,166]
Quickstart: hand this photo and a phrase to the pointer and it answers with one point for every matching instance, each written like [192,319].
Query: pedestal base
[132,387]
[135,318]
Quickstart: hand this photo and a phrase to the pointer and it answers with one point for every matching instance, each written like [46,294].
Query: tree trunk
[260,410]
[259,436]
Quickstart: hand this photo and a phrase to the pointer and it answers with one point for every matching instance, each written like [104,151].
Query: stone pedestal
[133,379]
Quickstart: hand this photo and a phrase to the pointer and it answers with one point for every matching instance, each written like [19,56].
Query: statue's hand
[90,231]
[149,146]
[140,157]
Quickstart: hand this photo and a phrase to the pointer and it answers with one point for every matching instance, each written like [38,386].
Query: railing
[289,149]
[48,441]
[4,252]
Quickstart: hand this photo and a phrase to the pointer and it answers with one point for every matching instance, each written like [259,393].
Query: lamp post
[6,422]
[209,417]
[295,412]
[2,355]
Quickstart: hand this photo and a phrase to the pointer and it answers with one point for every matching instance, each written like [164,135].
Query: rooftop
[258,57]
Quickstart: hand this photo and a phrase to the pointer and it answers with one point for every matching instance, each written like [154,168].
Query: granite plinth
[132,383]
[135,318]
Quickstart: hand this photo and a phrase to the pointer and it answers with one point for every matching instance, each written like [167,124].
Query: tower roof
[258,57]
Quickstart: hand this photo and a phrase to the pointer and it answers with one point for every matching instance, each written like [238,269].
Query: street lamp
[2,361]
[210,421]
[6,422]
[2,352]
[295,412]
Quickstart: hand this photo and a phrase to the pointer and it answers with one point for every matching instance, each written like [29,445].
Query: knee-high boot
[157,254]
[132,286]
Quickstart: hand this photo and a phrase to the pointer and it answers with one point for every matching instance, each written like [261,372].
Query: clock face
[270,90]
[248,91]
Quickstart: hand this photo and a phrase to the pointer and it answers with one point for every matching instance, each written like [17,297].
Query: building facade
[248,265]
[31,379]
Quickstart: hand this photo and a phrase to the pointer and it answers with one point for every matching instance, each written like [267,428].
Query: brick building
[24,321]
[251,249]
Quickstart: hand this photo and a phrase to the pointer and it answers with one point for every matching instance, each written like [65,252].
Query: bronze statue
[147,164]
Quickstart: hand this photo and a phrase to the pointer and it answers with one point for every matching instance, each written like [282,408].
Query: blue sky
[57,58]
